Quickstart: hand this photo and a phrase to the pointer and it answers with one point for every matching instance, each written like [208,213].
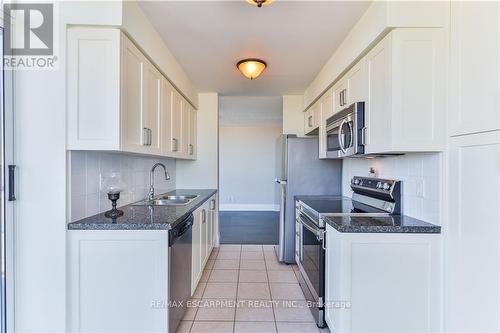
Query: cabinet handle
[191,149]
[309,121]
[212,204]
[145,136]
[150,131]
[175,145]
[203,216]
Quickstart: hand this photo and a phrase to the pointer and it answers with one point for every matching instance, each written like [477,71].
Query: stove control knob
[356,182]
[379,185]
[386,186]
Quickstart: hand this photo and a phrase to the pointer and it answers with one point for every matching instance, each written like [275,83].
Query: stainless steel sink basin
[168,200]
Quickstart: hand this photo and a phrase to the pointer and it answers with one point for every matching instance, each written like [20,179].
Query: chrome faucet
[151,179]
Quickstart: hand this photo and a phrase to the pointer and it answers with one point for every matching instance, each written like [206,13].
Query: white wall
[203,173]
[293,115]
[248,163]
[88,169]
[414,170]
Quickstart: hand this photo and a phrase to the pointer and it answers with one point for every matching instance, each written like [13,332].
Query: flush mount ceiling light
[259,3]
[251,68]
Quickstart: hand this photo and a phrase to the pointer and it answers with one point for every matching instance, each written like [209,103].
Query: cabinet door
[166,118]
[378,114]
[152,108]
[196,250]
[192,147]
[176,143]
[356,83]
[93,88]
[134,127]
[316,110]
[204,233]
[473,234]
[327,110]
[475,58]
[184,132]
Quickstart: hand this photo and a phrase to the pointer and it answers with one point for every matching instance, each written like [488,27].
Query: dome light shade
[251,68]
[259,3]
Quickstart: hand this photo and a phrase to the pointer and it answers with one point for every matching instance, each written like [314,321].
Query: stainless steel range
[372,197]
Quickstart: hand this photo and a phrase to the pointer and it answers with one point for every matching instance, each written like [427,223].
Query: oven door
[312,265]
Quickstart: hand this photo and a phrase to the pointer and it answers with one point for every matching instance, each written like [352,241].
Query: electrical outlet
[420,188]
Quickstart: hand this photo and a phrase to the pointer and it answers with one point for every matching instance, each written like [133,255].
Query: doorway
[249,130]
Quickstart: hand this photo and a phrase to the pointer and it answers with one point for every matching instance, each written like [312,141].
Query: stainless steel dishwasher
[179,270]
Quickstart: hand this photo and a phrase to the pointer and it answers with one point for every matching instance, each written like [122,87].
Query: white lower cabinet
[205,221]
[472,242]
[383,282]
[119,101]
[117,281]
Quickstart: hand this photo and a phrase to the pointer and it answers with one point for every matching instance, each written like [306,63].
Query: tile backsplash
[88,168]
[421,175]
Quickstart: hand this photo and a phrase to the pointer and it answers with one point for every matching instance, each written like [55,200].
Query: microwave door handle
[351,129]
[341,138]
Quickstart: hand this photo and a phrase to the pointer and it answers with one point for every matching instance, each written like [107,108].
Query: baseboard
[249,207]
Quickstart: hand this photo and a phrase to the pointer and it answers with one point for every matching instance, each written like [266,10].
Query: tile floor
[244,289]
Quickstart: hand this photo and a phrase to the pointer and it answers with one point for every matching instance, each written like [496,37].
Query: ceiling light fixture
[251,68]
[259,3]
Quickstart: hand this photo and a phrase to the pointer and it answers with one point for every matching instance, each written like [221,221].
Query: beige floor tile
[254,327]
[253,276]
[251,248]
[220,290]
[271,257]
[228,255]
[210,264]
[252,290]
[252,264]
[297,328]
[252,255]
[276,266]
[282,291]
[190,313]
[230,248]
[254,310]
[268,247]
[227,264]
[216,310]
[184,327]
[212,327]
[292,311]
[205,275]
[282,277]
[198,293]
[224,275]
[213,255]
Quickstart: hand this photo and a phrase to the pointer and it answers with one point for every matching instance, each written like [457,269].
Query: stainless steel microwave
[345,132]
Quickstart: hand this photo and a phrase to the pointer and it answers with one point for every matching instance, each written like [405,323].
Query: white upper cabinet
[312,119]
[118,100]
[93,89]
[193,123]
[356,82]
[475,56]
[405,103]
[327,108]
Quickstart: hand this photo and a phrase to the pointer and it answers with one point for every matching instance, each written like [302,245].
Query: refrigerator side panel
[307,175]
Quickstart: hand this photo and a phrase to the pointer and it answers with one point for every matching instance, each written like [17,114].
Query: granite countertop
[389,224]
[366,224]
[145,217]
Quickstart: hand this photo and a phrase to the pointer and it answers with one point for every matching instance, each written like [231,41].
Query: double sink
[168,200]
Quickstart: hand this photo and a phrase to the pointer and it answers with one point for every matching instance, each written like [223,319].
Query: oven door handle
[315,231]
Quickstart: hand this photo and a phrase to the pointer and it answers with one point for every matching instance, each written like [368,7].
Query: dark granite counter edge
[85,225]
[431,229]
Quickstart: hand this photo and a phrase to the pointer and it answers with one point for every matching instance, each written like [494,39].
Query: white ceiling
[250,110]
[295,38]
